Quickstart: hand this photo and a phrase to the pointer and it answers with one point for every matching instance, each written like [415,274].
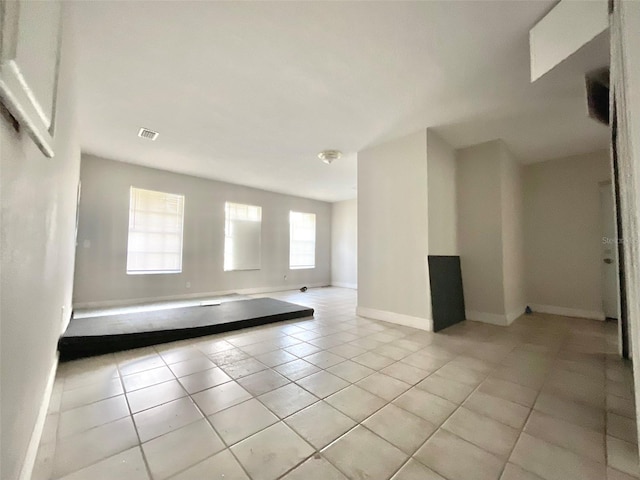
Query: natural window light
[302,240]
[242,232]
[155,232]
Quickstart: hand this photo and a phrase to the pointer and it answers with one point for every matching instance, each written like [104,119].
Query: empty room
[319,240]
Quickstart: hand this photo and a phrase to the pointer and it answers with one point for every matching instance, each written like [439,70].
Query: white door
[609,253]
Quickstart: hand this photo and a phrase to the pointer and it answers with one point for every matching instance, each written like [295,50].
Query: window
[155,232]
[302,240]
[242,231]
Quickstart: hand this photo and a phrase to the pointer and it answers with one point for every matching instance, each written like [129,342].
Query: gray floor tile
[384,386]
[218,398]
[580,440]
[552,462]
[262,382]
[622,427]
[405,372]
[196,382]
[128,464]
[461,374]
[621,406]
[272,452]
[228,357]
[350,371]
[316,468]
[515,472]
[159,420]
[400,428]
[392,351]
[140,364]
[91,393]
[362,454]
[322,384]
[323,359]
[43,465]
[613,474]
[193,365]
[155,395]
[223,464]
[287,400]
[240,421]
[86,448]
[432,408]
[243,368]
[355,402]
[320,424]
[275,358]
[574,412]
[147,378]
[302,349]
[347,350]
[509,391]
[88,416]
[499,409]
[565,366]
[296,369]
[488,434]
[414,470]
[456,459]
[623,456]
[451,390]
[373,360]
[178,354]
[181,448]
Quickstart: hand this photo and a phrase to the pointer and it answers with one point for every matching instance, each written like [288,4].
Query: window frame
[179,233]
[227,236]
[292,241]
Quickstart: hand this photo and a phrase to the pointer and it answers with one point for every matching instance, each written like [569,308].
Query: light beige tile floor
[342,397]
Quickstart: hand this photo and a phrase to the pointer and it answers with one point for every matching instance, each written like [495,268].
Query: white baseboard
[568,312]
[189,296]
[492,318]
[511,316]
[397,318]
[34,442]
[353,286]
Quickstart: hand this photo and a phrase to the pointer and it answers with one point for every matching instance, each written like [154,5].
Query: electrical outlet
[285,277]
[188,284]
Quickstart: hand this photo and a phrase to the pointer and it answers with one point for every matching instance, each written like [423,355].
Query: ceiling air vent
[148,134]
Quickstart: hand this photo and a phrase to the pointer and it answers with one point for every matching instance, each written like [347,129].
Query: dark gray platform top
[180,318]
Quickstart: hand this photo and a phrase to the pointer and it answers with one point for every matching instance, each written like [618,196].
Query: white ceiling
[249,93]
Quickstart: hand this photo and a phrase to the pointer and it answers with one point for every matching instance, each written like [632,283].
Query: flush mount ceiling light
[148,134]
[328,156]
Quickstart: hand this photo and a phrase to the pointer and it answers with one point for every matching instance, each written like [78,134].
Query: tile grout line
[334,331]
[533,404]
[443,422]
[135,426]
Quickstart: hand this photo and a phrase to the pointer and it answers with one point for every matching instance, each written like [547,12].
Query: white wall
[490,232]
[344,244]
[480,231]
[563,234]
[393,239]
[36,275]
[513,263]
[551,42]
[101,277]
[625,75]
[442,191]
